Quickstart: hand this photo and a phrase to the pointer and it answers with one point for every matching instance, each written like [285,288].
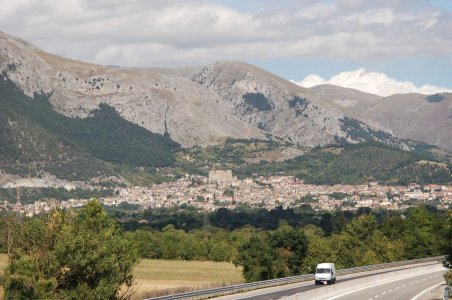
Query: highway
[397,288]
[409,288]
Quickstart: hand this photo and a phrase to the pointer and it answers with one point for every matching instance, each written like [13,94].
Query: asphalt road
[411,288]
[289,290]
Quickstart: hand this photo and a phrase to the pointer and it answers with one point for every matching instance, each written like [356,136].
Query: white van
[325,273]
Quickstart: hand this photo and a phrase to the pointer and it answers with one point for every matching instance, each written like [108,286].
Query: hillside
[425,118]
[80,121]
[283,109]
[34,139]
[194,105]
[346,164]
[157,100]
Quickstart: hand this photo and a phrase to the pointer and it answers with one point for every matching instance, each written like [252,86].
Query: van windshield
[323,271]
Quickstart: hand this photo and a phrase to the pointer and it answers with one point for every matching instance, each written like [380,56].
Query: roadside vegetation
[85,251]
[68,255]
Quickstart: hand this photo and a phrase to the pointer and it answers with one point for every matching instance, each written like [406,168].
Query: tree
[69,255]
[257,259]
[448,245]
[273,254]
[421,235]
[362,243]
[291,246]
[319,249]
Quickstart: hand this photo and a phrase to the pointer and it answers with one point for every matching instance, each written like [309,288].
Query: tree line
[289,250]
[85,252]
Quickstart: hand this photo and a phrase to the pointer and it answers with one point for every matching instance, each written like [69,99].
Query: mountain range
[138,116]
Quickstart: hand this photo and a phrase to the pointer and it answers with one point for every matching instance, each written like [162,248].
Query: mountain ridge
[425,118]
[193,110]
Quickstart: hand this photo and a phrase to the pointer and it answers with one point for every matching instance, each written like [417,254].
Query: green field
[160,276]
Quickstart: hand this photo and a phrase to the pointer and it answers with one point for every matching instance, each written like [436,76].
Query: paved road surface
[289,290]
[412,288]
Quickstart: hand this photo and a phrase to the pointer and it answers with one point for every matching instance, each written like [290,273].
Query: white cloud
[371,82]
[200,31]
[180,32]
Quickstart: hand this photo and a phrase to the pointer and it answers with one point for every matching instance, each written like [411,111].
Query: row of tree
[290,250]
[84,253]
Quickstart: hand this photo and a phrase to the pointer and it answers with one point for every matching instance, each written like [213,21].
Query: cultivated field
[3,261]
[155,277]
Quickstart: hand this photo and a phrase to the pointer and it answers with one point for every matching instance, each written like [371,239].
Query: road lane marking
[426,290]
[382,283]
[390,290]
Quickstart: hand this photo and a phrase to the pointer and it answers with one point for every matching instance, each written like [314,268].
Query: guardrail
[245,287]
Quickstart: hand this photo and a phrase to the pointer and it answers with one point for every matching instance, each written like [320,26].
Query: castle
[221,177]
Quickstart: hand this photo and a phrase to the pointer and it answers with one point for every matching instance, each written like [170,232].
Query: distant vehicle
[325,273]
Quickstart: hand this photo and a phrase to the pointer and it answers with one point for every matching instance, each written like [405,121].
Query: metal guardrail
[245,287]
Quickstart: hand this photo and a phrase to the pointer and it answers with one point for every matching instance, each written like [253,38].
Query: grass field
[156,277]
[3,262]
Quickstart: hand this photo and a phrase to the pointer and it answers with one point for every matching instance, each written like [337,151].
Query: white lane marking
[411,283]
[381,283]
[397,288]
[390,290]
[383,293]
[377,296]
[426,290]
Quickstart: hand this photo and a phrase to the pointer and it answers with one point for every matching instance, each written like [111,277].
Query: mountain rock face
[409,116]
[271,104]
[158,101]
[281,108]
[193,106]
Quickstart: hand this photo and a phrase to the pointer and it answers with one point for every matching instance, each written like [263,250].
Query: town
[221,189]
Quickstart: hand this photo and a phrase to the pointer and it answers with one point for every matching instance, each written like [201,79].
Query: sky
[382,47]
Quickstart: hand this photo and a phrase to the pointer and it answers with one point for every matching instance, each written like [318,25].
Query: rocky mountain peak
[194,106]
